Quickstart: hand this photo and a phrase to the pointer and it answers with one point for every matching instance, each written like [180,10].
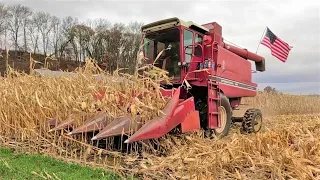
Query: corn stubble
[288,147]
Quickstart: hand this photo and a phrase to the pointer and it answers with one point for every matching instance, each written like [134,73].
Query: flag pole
[261,38]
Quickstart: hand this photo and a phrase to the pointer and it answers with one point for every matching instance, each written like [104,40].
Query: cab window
[187,40]
[197,49]
[148,48]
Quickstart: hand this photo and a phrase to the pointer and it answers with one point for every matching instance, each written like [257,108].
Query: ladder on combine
[213,103]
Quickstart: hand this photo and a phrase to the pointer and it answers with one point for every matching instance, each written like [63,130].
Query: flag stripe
[280,57]
[277,44]
[280,47]
[276,54]
[276,47]
[283,44]
[274,50]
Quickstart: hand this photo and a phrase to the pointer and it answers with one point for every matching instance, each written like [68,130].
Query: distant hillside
[21,62]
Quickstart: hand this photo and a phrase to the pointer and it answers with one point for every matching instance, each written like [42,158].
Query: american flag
[279,48]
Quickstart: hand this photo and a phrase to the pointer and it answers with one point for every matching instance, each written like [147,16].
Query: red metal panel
[167,92]
[235,102]
[236,68]
[159,125]
[214,27]
[191,122]
[99,95]
[194,63]
[231,91]
[198,78]
[181,112]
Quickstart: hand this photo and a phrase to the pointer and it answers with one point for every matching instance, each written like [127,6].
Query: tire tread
[248,119]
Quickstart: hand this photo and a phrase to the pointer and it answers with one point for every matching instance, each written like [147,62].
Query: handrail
[195,45]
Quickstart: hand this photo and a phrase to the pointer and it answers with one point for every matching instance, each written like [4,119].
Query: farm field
[288,146]
[86,90]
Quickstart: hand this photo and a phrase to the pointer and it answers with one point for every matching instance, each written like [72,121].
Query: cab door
[187,50]
[193,55]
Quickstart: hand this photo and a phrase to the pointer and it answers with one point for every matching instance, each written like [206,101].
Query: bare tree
[18,15]
[3,18]
[43,23]
[115,43]
[56,36]
[81,36]
[130,45]
[101,24]
[66,35]
[26,21]
[34,35]
[97,46]
[106,44]
[4,15]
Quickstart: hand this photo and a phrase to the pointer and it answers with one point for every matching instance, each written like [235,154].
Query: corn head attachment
[176,112]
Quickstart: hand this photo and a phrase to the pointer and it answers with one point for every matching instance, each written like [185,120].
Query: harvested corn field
[288,146]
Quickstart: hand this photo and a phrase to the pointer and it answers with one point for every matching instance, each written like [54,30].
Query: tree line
[22,29]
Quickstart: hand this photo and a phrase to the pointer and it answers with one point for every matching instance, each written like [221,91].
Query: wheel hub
[257,123]
[222,119]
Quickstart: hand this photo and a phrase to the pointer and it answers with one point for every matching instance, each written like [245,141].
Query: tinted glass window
[198,38]
[169,59]
[197,50]
[187,40]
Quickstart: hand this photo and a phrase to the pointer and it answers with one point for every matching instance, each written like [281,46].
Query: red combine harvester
[210,77]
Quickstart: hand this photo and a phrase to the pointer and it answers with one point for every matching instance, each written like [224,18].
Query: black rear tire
[225,104]
[252,121]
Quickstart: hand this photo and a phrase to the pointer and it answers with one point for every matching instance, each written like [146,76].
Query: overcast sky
[243,22]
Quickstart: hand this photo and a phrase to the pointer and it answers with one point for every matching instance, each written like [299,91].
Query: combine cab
[210,77]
